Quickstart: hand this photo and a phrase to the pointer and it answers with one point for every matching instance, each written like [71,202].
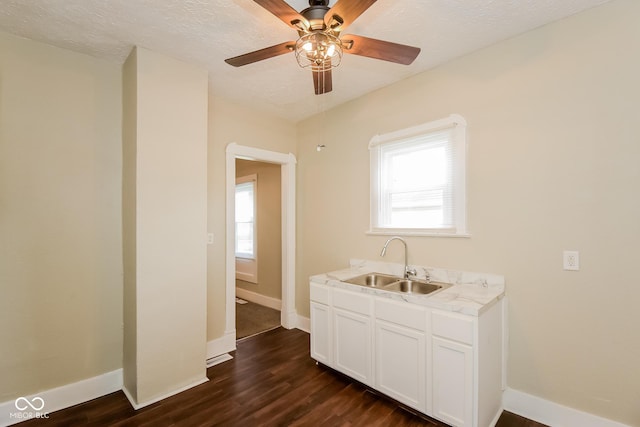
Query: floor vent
[218,359]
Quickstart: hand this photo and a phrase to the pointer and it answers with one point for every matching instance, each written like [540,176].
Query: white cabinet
[321,345]
[400,356]
[452,367]
[321,325]
[452,382]
[444,364]
[353,335]
[467,366]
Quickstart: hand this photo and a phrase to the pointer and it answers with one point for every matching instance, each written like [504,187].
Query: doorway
[258,246]
[287,162]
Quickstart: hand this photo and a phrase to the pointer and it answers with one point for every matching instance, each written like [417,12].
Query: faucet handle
[410,272]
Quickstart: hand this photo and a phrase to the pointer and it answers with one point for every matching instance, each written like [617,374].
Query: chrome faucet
[407,271]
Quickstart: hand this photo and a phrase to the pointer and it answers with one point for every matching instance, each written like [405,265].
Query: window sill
[415,233]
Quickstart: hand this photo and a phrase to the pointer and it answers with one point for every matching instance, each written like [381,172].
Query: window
[418,180]
[246,217]
[246,229]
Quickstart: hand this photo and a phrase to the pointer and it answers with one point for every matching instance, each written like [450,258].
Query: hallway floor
[252,318]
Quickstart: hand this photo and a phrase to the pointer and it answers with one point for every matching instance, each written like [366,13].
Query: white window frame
[247,266]
[457,127]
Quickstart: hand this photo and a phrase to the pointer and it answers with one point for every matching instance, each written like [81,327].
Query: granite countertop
[469,293]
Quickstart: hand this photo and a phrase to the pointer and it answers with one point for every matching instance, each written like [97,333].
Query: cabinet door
[452,382]
[352,345]
[400,364]
[321,334]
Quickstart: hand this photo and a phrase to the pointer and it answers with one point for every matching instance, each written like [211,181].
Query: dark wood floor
[271,381]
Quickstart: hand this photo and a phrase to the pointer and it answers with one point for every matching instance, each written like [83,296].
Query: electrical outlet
[571,260]
[210,238]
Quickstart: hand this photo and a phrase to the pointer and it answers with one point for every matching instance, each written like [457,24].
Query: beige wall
[269,221]
[60,219]
[231,123]
[170,208]
[129,221]
[553,164]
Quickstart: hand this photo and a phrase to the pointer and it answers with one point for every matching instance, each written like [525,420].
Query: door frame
[287,162]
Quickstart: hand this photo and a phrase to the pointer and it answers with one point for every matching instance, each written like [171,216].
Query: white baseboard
[289,319]
[304,324]
[61,397]
[224,344]
[551,413]
[137,405]
[496,418]
[257,298]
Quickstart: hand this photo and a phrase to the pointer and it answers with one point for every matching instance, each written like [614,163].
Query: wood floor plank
[271,381]
[508,419]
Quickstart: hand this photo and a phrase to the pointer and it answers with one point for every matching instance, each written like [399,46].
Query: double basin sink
[395,284]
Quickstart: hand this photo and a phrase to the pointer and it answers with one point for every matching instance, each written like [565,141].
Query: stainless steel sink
[408,286]
[395,284]
[373,280]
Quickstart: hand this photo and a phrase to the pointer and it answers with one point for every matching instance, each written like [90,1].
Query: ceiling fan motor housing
[315,14]
[319,3]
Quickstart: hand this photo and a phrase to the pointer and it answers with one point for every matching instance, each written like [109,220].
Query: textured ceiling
[205,32]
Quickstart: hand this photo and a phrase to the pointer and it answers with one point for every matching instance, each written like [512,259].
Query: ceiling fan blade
[379,49]
[322,80]
[344,12]
[286,13]
[259,55]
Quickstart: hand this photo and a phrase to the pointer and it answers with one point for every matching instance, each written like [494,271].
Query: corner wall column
[164,226]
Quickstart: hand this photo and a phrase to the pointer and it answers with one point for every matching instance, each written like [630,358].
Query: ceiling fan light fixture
[301,25]
[319,46]
[335,23]
[318,50]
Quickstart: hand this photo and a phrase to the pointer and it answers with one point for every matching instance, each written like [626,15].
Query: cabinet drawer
[401,313]
[319,293]
[452,326]
[358,303]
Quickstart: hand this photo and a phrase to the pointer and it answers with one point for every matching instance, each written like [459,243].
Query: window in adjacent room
[418,180]
[246,230]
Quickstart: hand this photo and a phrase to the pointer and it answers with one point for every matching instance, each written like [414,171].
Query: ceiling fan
[320,44]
